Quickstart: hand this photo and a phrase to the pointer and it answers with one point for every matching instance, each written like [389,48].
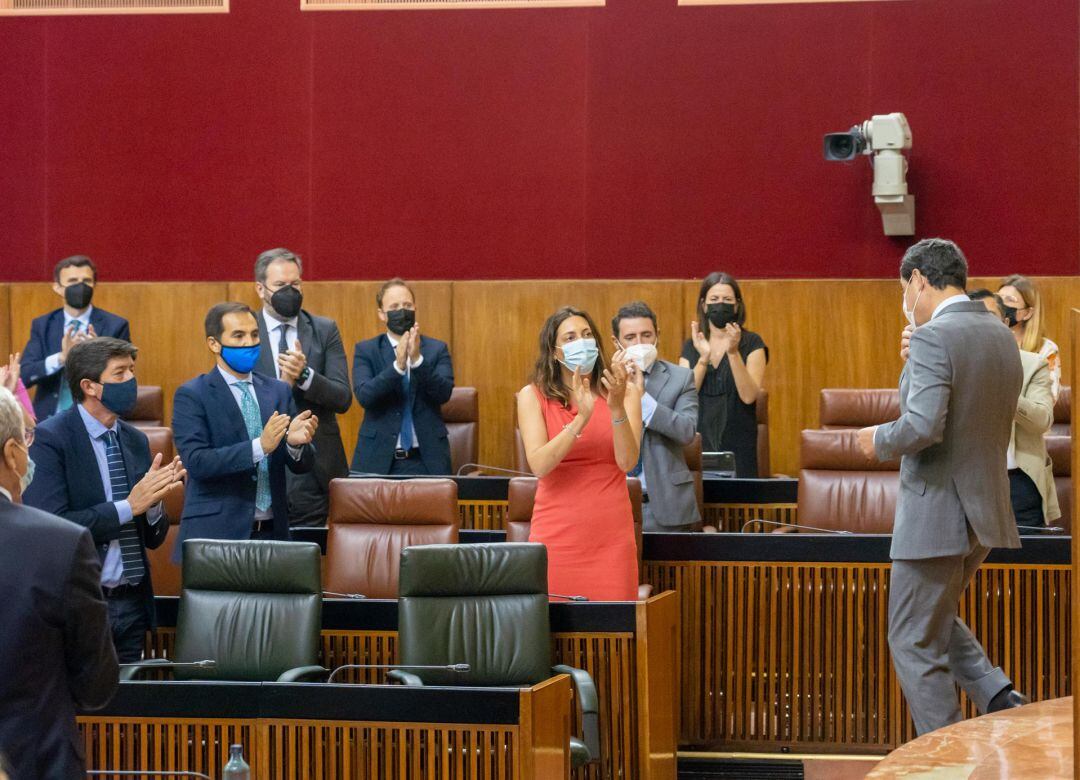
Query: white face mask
[910,315]
[642,354]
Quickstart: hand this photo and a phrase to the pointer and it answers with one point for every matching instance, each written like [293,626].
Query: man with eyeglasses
[53,335]
[307,354]
[402,379]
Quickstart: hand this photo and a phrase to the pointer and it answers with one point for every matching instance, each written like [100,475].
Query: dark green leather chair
[485,605]
[254,607]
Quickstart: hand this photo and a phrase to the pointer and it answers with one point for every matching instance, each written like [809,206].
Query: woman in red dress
[581,426]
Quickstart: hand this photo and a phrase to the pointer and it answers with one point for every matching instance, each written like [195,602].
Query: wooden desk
[324,732]
[628,647]
[784,636]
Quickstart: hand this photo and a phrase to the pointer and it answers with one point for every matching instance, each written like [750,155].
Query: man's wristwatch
[304,375]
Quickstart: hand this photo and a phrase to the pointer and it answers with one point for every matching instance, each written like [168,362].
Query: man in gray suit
[305,352]
[669,407]
[958,395]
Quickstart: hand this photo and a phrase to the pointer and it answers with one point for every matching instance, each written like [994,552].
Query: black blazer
[329,394]
[379,389]
[219,501]
[46,333]
[56,650]
[67,483]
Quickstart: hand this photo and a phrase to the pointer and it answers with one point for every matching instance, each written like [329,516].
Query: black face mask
[78,296]
[721,314]
[1010,316]
[287,301]
[400,320]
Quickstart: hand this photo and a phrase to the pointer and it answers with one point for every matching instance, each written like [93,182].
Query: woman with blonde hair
[1024,316]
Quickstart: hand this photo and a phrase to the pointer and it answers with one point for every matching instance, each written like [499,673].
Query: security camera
[884,136]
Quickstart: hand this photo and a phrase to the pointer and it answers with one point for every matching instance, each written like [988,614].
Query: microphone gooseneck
[461,668]
[837,531]
[499,469]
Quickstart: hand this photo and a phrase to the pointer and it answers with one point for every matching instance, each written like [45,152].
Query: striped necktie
[130,544]
[249,408]
[64,400]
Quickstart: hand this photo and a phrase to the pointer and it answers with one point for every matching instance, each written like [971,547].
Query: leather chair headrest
[160,440]
[463,406]
[521,495]
[1059,448]
[149,405]
[1063,405]
[504,568]
[394,502]
[257,566]
[858,408]
[692,451]
[838,451]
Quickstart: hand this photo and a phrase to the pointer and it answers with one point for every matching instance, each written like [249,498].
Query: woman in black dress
[729,368]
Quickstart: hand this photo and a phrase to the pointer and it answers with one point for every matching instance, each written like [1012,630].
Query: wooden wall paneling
[497,326]
[166,324]
[543,737]
[351,304]
[658,685]
[8,344]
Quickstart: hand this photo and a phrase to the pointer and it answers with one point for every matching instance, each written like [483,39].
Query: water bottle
[237,768]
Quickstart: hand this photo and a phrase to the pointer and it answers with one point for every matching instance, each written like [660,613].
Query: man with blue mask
[119,501]
[238,432]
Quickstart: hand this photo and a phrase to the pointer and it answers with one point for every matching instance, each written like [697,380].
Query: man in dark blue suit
[53,335]
[95,470]
[402,381]
[228,425]
[55,649]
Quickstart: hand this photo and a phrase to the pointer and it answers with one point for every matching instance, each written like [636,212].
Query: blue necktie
[130,544]
[406,415]
[253,422]
[64,401]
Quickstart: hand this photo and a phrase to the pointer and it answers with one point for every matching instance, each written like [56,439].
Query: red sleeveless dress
[583,514]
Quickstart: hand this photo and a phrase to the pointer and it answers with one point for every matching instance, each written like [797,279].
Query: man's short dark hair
[215,318]
[89,359]
[397,281]
[982,294]
[271,256]
[939,260]
[631,311]
[75,261]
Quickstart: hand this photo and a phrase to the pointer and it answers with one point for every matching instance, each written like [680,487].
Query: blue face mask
[120,397]
[581,353]
[28,477]
[240,359]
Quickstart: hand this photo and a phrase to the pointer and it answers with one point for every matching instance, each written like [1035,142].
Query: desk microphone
[568,598]
[1046,529]
[443,668]
[344,595]
[145,773]
[795,525]
[501,470]
[160,663]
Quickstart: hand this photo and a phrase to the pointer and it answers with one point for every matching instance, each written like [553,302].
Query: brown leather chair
[692,453]
[841,489]
[522,497]
[149,411]
[372,520]
[521,462]
[858,407]
[462,417]
[1062,413]
[165,574]
[1059,448]
[761,408]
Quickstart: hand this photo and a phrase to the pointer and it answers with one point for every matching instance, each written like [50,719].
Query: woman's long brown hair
[547,375]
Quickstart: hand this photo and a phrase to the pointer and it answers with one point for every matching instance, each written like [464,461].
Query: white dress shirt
[648,408]
[409,366]
[949,302]
[112,568]
[52,362]
[292,335]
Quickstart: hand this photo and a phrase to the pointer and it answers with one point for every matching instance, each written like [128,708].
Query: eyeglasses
[28,436]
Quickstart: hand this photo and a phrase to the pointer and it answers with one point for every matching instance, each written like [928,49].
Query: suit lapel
[305,332]
[264,396]
[83,452]
[657,379]
[54,330]
[128,444]
[97,321]
[222,397]
[265,364]
[386,351]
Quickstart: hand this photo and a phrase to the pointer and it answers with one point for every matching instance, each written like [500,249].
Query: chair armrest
[299,673]
[644,591]
[405,678]
[136,671]
[784,530]
[590,718]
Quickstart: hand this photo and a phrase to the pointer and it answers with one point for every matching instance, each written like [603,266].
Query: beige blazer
[1034,416]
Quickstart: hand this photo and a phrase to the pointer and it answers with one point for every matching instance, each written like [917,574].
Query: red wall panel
[641,139]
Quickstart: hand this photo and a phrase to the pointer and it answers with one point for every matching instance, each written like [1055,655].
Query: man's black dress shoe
[1006,699]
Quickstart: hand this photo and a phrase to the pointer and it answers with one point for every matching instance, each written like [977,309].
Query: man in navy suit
[95,470]
[238,431]
[402,381]
[55,649]
[53,335]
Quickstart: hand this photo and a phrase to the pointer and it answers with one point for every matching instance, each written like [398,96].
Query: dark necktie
[130,544]
[406,414]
